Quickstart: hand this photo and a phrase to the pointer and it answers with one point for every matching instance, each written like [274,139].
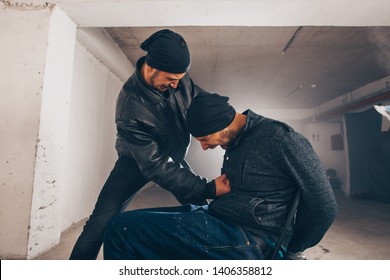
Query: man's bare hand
[222,185]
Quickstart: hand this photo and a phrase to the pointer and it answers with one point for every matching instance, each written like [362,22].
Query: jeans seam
[258,249]
[244,235]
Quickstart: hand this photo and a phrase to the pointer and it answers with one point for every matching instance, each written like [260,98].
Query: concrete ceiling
[246,63]
[236,45]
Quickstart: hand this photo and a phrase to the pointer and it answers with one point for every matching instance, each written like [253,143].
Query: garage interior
[320,68]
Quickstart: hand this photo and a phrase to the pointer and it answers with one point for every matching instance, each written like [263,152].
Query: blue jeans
[183,232]
[123,183]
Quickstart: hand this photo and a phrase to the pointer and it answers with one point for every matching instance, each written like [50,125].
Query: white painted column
[24,39]
[36,64]
[45,223]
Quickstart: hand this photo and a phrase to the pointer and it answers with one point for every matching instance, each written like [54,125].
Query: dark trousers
[122,184]
[172,233]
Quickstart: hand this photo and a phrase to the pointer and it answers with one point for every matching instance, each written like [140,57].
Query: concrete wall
[100,69]
[35,82]
[45,220]
[319,135]
[91,153]
[22,68]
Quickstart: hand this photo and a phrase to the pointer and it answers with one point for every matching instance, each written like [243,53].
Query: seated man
[266,162]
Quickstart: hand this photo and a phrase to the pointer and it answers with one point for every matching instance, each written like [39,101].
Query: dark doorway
[369,155]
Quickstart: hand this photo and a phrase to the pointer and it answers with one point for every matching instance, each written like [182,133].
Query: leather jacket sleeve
[159,167]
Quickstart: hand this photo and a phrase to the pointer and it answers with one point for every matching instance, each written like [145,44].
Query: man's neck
[236,128]
[239,121]
[143,74]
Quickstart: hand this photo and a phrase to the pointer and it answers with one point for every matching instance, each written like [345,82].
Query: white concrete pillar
[22,63]
[36,58]
[45,223]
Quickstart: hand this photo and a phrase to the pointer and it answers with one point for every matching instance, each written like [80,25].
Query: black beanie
[167,51]
[209,113]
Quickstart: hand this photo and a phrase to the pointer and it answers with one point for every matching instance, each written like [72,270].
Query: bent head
[211,120]
[167,59]
[221,138]
[161,80]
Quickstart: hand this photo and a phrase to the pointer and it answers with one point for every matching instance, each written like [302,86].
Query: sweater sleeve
[317,207]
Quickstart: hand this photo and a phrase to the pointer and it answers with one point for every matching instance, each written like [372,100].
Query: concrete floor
[361,230]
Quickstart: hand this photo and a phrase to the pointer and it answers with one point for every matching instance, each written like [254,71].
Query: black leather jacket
[151,129]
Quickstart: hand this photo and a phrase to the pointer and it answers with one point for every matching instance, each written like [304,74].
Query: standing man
[266,163]
[152,138]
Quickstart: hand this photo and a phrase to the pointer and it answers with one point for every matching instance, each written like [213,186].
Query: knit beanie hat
[209,113]
[167,51]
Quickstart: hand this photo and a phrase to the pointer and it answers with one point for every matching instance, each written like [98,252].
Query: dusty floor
[361,230]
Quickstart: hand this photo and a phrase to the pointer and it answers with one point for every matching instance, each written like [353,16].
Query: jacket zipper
[181,136]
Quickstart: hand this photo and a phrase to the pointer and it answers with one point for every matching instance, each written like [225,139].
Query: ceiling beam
[142,13]
[360,103]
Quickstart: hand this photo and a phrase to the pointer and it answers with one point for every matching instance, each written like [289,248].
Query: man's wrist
[211,189]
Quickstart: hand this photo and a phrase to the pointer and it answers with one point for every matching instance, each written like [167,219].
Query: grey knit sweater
[266,165]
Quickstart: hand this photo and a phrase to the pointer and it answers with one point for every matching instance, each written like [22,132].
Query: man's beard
[153,78]
[228,136]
